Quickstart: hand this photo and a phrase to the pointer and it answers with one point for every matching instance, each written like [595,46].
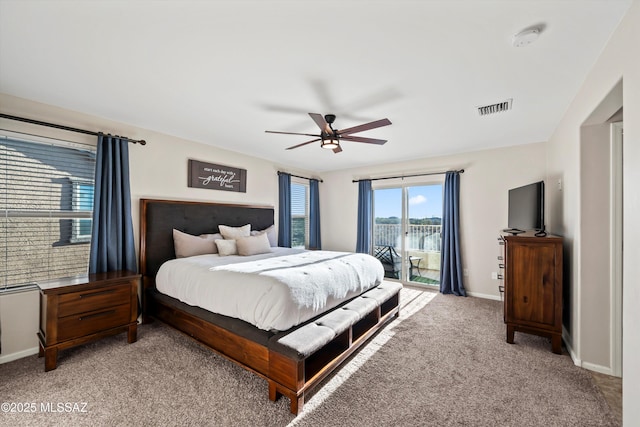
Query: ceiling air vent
[495,108]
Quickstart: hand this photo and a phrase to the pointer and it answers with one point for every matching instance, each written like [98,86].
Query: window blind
[299,215]
[46,202]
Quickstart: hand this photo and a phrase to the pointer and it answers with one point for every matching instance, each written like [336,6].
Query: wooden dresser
[533,286]
[76,310]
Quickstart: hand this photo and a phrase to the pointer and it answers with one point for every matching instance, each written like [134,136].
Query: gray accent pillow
[253,245]
[213,237]
[186,245]
[271,234]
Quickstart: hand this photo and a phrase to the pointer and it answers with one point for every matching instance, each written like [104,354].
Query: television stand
[533,286]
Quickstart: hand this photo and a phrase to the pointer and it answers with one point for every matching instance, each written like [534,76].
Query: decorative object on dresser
[533,286]
[77,310]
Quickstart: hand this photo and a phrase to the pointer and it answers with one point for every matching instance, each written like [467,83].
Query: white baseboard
[598,368]
[437,288]
[18,355]
[578,362]
[568,343]
[485,296]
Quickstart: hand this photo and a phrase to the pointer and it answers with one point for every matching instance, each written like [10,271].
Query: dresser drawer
[79,325]
[92,300]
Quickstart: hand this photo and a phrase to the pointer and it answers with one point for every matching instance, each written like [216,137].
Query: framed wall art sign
[216,177]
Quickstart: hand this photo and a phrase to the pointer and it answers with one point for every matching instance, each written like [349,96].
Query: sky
[425,201]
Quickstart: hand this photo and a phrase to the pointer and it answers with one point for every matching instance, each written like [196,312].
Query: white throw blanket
[314,276]
[274,291]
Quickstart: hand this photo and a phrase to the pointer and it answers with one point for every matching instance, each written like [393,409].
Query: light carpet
[443,362]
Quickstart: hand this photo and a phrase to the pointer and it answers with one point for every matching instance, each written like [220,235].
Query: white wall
[618,61]
[594,243]
[19,318]
[484,187]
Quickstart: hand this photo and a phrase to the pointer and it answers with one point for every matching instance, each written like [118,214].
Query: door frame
[616,248]
[404,221]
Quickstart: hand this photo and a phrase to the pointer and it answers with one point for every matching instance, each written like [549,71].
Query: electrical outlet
[559,184]
[465,272]
[494,275]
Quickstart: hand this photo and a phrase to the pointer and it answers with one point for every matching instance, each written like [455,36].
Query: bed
[293,360]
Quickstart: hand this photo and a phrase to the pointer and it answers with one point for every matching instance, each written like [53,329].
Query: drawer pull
[92,294]
[500,276]
[91,316]
[500,257]
[500,265]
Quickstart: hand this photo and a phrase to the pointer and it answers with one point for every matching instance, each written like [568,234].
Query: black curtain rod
[67,128]
[408,176]
[298,176]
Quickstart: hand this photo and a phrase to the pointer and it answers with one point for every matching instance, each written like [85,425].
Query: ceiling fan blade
[322,124]
[283,109]
[337,149]
[366,126]
[290,133]
[363,139]
[304,143]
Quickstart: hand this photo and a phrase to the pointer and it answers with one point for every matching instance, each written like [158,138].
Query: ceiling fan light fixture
[330,144]
[330,138]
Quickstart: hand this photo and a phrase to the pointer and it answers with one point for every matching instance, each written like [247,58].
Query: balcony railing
[419,237]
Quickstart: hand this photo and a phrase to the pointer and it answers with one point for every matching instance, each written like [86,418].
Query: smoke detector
[526,37]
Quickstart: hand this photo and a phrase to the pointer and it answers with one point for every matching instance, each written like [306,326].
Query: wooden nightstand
[76,310]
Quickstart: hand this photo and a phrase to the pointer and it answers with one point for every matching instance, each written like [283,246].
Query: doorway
[407,231]
[600,290]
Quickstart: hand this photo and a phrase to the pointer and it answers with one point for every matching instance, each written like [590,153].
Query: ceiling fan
[330,138]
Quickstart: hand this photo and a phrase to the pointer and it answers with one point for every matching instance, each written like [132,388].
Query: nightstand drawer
[79,325]
[95,299]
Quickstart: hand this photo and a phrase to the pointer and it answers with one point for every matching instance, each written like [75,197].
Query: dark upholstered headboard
[158,218]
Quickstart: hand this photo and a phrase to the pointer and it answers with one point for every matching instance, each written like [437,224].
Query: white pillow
[271,234]
[253,245]
[187,245]
[235,232]
[226,247]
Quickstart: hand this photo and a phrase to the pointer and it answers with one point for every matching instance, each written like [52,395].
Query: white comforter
[274,291]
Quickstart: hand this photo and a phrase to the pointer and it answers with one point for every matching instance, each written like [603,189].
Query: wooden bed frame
[236,340]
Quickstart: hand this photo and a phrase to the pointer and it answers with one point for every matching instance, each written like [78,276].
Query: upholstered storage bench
[311,350]
[292,361]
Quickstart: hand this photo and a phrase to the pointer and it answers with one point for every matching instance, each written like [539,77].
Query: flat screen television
[526,208]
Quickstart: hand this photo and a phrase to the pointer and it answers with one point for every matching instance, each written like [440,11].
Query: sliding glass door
[422,242]
[387,230]
[407,225]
